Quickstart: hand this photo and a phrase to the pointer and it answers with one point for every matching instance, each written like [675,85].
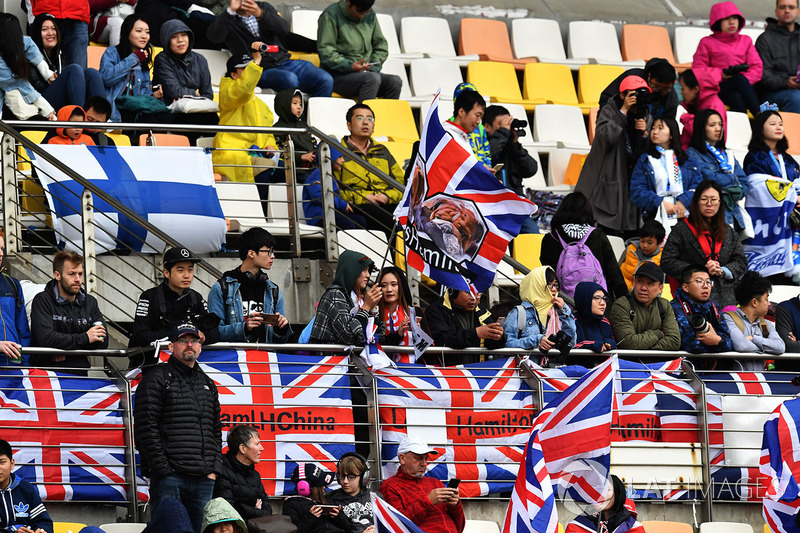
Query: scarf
[722,159]
[779,164]
[667,173]
[708,243]
[391,322]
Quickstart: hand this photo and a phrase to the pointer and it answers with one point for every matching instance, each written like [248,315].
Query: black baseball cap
[650,270]
[177,255]
[237,61]
[183,329]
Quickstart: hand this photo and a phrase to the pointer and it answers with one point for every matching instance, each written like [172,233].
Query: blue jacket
[21,505]
[643,187]
[312,198]
[13,317]
[116,72]
[689,342]
[9,82]
[760,162]
[231,311]
[704,166]
[534,331]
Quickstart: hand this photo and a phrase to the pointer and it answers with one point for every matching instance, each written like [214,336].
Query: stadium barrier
[679,436]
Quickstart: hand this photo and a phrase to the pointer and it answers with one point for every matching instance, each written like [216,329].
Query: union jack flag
[484,412]
[779,461]
[457,217]
[390,520]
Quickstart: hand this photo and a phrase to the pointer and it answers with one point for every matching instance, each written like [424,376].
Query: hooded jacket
[622,516]
[238,106]
[219,510]
[342,41]
[303,142]
[644,328]
[592,331]
[21,505]
[181,75]
[358,182]
[634,256]
[241,486]
[64,115]
[684,307]
[665,106]
[357,508]
[170,516]
[779,50]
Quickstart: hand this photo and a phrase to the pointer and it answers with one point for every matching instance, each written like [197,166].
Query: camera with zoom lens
[699,324]
[638,110]
[561,342]
[518,126]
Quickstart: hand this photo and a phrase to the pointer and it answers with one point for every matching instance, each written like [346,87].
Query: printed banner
[769,203]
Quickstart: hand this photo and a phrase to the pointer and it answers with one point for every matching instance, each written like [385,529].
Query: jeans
[368,85]
[297,73]
[787,99]
[737,93]
[73,85]
[74,40]
[193,492]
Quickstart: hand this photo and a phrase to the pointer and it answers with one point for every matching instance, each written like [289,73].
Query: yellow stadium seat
[400,150]
[527,248]
[592,80]
[499,82]
[394,119]
[94,53]
[311,58]
[767,529]
[489,40]
[550,82]
[662,526]
[22,155]
[156,50]
[644,41]
[67,527]
[120,139]
[560,528]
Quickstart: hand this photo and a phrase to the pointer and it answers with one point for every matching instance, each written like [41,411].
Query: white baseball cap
[414,445]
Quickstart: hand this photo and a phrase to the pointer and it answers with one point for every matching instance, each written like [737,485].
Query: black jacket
[161,308]
[517,163]
[177,421]
[58,323]
[665,106]
[779,49]
[358,508]
[184,75]
[298,508]
[241,486]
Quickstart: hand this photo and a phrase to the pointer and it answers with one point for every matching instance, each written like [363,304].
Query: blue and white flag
[171,187]
[769,203]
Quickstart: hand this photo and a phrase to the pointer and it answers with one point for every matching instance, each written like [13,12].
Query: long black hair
[698,141]
[575,208]
[124,47]
[12,47]
[757,143]
[674,142]
[36,34]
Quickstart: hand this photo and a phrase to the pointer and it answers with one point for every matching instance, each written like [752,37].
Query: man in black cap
[172,302]
[643,320]
[177,426]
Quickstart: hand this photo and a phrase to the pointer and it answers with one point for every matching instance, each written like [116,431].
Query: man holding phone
[423,500]
[249,304]
[352,48]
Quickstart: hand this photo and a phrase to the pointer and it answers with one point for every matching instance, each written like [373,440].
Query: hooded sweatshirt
[63,116]
[303,142]
[357,508]
[219,510]
[181,75]
[21,505]
[592,331]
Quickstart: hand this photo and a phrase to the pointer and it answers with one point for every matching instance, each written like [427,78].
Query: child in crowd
[768,149]
[219,516]
[726,62]
[354,496]
[21,508]
[305,508]
[289,108]
[690,92]
[647,247]
[74,136]
[660,183]
[591,325]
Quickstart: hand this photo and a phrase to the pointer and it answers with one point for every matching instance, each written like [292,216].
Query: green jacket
[219,510]
[342,41]
[651,328]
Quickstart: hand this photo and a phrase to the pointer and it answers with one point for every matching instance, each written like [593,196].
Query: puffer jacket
[779,50]
[218,511]
[357,508]
[342,41]
[177,421]
[637,327]
[61,137]
[241,486]
[358,182]
[303,142]
[116,72]
[62,9]
[238,106]
[185,75]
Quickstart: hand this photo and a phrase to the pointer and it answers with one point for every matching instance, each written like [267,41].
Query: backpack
[577,263]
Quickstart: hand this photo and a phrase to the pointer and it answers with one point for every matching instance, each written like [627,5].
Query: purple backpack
[577,263]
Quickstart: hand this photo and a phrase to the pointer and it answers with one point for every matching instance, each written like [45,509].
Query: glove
[141,55]
[733,70]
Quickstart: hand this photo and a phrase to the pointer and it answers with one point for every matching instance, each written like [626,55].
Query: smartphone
[373,64]
[156,87]
[501,321]
[271,319]
[453,483]
[327,509]
[498,167]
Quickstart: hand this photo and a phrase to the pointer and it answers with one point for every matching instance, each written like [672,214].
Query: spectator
[334,322]
[644,320]
[63,316]
[346,218]
[304,508]
[478,138]
[729,60]
[545,315]
[458,321]
[22,508]
[660,183]
[395,310]
[72,19]
[249,304]
[702,328]
[170,303]
[352,471]
[768,147]
[125,68]
[180,70]
[750,331]
[16,333]
[353,49]
[71,136]
[704,239]
[787,323]
[72,83]
[98,109]
[660,77]
[290,109]
[592,328]
[468,109]
[177,426]
[619,141]
[157,12]
[646,248]
[573,222]
[170,516]
[219,516]
[106,19]
[370,196]
[16,53]
[617,515]
[690,92]
[247,25]
[779,49]
[423,500]
[238,481]
[506,150]
[710,160]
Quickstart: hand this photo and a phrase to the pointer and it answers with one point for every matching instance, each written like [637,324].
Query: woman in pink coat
[726,62]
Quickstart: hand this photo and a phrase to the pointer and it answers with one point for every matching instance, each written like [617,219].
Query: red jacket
[409,495]
[63,9]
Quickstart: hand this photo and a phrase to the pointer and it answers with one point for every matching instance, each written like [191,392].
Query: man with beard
[63,316]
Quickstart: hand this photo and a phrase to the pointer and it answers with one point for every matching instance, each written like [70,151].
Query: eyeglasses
[351,477]
[364,118]
[709,201]
[188,341]
[268,251]
[600,298]
[704,282]
[552,285]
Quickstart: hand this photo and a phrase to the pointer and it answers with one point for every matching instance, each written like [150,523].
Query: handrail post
[328,210]
[10,193]
[368,381]
[702,423]
[291,180]
[126,406]
[87,233]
